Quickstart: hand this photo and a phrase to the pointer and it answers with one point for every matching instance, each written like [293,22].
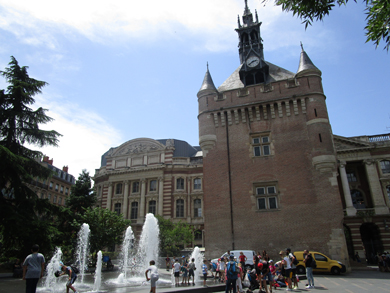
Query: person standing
[191,271]
[153,275]
[204,272]
[33,268]
[231,275]
[176,269]
[308,260]
[168,262]
[293,268]
[243,259]
[287,268]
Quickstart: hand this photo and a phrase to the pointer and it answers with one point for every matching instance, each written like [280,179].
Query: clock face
[253,61]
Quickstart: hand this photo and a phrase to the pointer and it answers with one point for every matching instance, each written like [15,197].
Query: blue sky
[119,70]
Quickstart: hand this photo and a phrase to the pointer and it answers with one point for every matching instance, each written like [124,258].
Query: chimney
[45,159]
[50,162]
[65,169]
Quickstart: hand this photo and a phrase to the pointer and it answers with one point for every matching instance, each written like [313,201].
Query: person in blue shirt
[204,272]
[72,276]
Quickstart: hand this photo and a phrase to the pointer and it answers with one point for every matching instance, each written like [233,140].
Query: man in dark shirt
[308,260]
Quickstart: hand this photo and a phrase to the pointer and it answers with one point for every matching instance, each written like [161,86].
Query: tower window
[117,208]
[153,185]
[197,208]
[179,183]
[261,146]
[118,189]
[135,187]
[266,196]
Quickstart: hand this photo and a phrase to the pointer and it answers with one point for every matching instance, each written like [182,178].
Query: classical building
[269,161]
[364,183]
[163,177]
[56,188]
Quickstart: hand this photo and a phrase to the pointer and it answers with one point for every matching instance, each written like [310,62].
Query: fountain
[51,281]
[98,272]
[83,250]
[135,260]
[198,256]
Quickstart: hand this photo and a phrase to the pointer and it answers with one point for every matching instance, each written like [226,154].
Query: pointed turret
[208,84]
[306,65]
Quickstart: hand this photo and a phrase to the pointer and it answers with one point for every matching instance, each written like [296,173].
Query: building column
[189,200]
[142,203]
[160,196]
[125,199]
[375,188]
[109,196]
[349,208]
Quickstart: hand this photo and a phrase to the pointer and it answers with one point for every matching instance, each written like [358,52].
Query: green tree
[107,227]
[173,235]
[82,196]
[24,218]
[377,11]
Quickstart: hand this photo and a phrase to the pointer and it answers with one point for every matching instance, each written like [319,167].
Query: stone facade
[163,177]
[56,188]
[364,183]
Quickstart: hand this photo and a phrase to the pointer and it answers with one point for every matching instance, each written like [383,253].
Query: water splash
[127,246]
[198,256]
[148,245]
[98,272]
[53,266]
[83,249]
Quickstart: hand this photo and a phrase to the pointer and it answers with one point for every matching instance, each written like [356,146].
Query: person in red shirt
[243,259]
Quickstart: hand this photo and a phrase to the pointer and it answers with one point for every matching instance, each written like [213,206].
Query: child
[176,269]
[72,276]
[153,276]
[204,272]
[184,271]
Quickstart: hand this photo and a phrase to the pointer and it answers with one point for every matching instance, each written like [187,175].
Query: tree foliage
[377,11]
[173,236]
[24,218]
[107,227]
[82,195]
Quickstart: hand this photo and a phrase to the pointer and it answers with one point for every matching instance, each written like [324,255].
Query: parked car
[248,253]
[324,264]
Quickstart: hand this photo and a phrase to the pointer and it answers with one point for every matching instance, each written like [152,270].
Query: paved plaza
[355,282]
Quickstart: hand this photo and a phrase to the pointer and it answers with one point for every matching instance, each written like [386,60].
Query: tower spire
[306,65]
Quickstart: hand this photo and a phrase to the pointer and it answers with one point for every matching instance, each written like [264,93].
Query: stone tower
[270,169]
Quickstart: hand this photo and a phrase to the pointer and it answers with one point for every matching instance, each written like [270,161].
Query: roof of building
[276,73]
[181,149]
[306,65]
[208,83]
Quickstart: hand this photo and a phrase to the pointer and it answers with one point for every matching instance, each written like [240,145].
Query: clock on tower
[254,69]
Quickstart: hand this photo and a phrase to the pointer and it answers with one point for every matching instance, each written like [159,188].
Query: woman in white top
[153,276]
[287,268]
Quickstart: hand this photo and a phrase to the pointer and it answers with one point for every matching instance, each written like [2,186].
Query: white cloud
[39,22]
[86,136]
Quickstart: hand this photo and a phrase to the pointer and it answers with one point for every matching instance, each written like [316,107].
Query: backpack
[294,261]
[232,270]
[313,263]
[75,269]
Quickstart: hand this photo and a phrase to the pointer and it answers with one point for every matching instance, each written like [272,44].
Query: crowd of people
[265,275]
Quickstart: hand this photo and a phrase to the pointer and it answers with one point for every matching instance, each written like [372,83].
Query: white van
[248,253]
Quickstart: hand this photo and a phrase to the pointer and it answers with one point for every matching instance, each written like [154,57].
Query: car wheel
[301,270]
[335,271]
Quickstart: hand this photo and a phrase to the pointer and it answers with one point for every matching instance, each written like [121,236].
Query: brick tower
[270,169]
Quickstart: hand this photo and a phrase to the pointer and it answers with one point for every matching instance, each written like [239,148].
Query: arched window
[117,208]
[385,166]
[358,199]
[180,208]
[134,210]
[179,183]
[152,207]
[197,208]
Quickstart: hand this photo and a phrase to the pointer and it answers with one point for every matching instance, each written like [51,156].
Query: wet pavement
[358,281]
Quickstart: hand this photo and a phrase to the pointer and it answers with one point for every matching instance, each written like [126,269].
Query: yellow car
[324,264]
